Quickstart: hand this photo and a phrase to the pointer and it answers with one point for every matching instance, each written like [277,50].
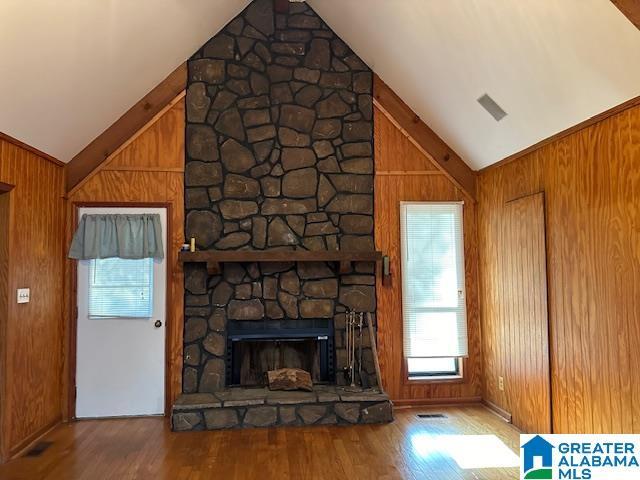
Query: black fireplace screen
[253,348]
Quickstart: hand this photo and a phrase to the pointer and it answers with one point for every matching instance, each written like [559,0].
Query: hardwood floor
[409,448]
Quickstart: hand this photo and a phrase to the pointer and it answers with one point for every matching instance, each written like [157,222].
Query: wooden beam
[424,138]
[630,9]
[278,256]
[29,148]
[94,154]
[213,258]
[564,133]
[106,162]
[281,6]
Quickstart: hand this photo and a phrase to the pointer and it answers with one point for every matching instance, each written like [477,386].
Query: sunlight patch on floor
[468,451]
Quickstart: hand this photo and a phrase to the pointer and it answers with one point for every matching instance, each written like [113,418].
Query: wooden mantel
[213,258]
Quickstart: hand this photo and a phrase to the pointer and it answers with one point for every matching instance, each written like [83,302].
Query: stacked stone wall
[279,155]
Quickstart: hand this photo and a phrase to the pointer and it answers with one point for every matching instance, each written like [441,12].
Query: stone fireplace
[279,155]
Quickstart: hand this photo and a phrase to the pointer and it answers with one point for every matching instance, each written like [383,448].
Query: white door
[121,332]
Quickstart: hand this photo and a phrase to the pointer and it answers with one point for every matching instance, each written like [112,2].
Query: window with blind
[433,291]
[121,288]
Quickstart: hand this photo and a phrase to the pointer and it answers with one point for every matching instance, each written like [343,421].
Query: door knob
[158,324]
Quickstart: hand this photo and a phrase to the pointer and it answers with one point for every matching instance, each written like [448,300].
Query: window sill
[434,379]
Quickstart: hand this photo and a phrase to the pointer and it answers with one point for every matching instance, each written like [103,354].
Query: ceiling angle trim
[109,141]
[427,141]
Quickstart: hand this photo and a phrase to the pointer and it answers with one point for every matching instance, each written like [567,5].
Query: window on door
[433,288]
[121,288]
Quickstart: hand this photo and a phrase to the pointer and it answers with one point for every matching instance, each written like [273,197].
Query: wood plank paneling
[4,307]
[525,304]
[32,333]
[148,170]
[394,151]
[591,181]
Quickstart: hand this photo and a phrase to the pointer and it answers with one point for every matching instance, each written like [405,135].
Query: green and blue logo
[537,459]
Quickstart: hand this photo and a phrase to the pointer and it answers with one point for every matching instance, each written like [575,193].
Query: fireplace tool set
[356,378]
[354,321]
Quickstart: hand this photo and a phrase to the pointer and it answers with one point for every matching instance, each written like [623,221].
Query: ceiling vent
[490,105]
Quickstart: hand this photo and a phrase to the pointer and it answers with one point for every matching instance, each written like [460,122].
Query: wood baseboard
[28,442]
[506,416]
[435,402]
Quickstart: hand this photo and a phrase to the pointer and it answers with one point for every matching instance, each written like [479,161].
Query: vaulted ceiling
[70,69]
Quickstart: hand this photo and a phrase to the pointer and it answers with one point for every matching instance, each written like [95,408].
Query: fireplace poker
[353,349]
[347,331]
[360,348]
[347,323]
[374,351]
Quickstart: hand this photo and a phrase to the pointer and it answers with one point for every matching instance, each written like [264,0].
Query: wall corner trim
[633,102]
[29,148]
[502,413]
[630,9]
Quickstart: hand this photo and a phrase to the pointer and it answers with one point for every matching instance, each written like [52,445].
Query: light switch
[23,295]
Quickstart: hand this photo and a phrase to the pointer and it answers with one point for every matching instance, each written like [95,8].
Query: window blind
[121,288]
[433,291]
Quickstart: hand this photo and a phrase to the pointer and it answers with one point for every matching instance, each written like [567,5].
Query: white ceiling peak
[70,69]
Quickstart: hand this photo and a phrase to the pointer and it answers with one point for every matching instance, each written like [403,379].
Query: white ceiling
[549,63]
[70,69]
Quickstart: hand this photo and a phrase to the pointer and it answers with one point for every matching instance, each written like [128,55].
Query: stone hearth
[260,407]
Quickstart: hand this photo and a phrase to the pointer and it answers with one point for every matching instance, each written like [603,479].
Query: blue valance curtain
[131,236]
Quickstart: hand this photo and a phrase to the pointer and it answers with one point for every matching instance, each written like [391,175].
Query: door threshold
[120,417]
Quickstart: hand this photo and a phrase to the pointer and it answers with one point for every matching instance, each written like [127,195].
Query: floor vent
[432,415]
[38,448]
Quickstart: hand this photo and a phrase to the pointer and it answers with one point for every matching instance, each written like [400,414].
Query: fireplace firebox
[253,348]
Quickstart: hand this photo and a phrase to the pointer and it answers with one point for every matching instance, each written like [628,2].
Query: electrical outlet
[24,295]
[501,383]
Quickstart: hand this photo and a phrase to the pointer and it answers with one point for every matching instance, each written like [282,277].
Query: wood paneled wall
[4,307]
[31,334]
[403,173]
[149,169]
[591,181]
